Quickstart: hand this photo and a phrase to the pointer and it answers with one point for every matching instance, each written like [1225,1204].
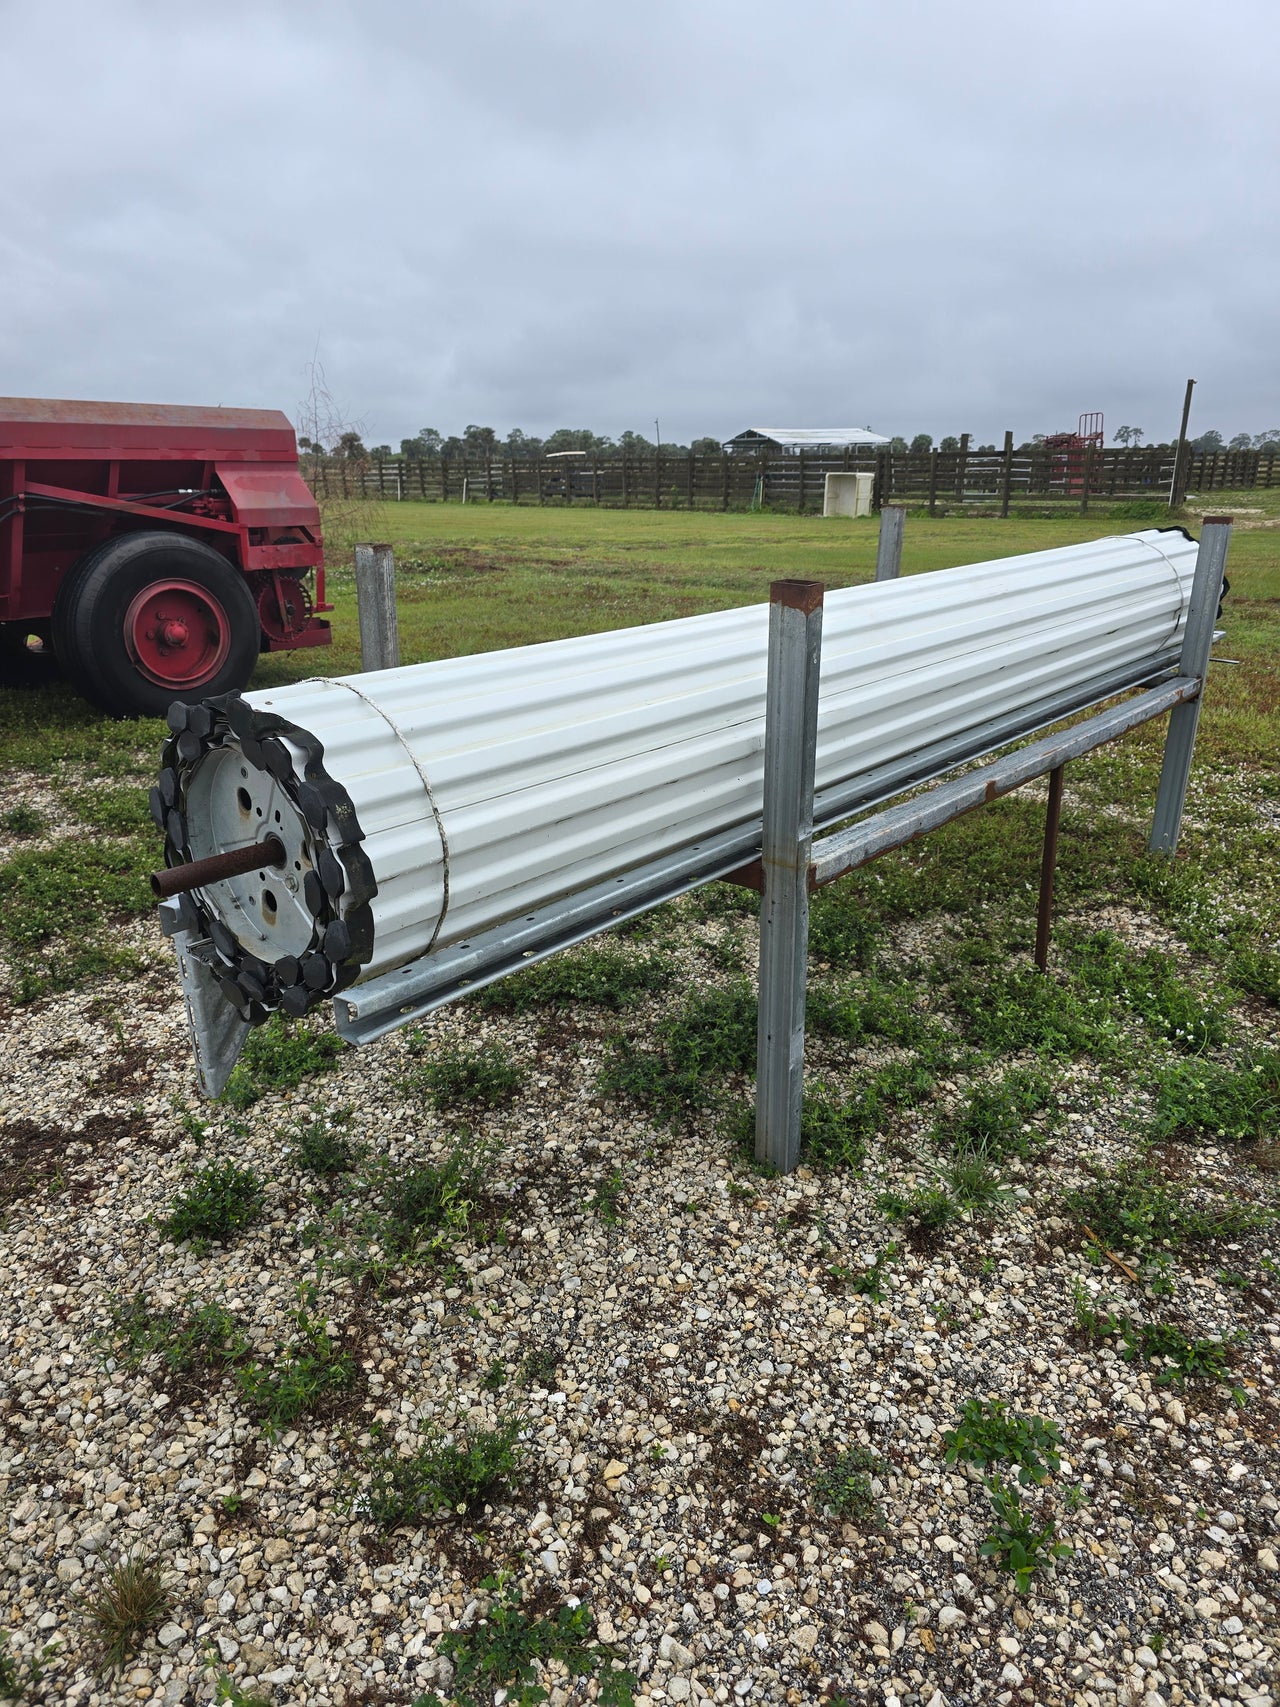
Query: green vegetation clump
[425,1209]
[187,1337]
[312,1369]
[1207,1099]
[989,1433]
[996,1118]
[60,906]
[22,820]
[606,1200]
[1136,1208]
[834,1129]
[18,1675]
[1148,984]
[603,976]
[449,1475]
[712,1035]
[1016,1543]
[319,1149]
[458,1075]
[221,1201]
[1256,971]
[119,811]
[1005,1009]
[928,1207]
[870,1282]
[869,1008]
[504,1650]
[967,1185]
[1181,1357]
[131,1602]
[843,1486]
[277,1056]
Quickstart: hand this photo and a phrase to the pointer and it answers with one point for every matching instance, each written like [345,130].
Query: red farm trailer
[158,550]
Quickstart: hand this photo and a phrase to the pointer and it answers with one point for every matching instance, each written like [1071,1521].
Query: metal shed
[797,439]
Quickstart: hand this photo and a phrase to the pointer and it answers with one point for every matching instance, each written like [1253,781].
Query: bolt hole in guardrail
[463,818]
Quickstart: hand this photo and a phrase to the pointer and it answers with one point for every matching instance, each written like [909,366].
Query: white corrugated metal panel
[554,765]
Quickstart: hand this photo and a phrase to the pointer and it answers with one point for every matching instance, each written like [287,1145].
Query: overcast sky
[911,215]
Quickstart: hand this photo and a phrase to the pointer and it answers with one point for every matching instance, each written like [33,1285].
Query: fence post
[933,482]
[376,603]
[1197,643]
[893,519]
[800,497]
[1085,478]
[962,466]
[790,745]
[1006,474]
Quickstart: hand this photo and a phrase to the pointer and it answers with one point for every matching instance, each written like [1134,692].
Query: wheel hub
[177,633]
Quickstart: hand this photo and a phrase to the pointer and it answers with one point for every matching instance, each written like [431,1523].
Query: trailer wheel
[150,618]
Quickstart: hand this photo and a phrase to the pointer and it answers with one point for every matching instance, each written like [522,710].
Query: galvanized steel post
[1197,643]
[376,601]
[790,747]
[893,519]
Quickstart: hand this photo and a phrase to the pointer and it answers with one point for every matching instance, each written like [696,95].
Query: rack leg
[1184,719]
[791,737]
[1048,863]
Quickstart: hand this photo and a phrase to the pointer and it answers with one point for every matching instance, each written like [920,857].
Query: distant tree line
[429,445]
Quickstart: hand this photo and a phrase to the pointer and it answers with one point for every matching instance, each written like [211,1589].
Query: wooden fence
[939,480]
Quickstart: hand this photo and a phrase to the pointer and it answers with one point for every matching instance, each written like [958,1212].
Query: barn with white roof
[796,439]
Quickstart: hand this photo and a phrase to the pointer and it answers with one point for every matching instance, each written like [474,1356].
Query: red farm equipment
[157,550]
[1072,454]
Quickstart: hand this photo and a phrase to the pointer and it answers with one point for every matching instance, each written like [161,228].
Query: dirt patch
[36,1158]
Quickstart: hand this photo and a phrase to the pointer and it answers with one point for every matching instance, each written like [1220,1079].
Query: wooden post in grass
[376,606]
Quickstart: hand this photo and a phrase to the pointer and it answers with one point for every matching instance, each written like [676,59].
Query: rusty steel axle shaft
[197,873]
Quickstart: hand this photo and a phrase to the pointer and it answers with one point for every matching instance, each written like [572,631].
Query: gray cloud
[916,216]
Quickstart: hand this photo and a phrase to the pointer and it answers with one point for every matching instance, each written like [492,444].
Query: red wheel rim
[177,634]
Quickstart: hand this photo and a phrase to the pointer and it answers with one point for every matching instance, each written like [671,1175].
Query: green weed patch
[278,1056]
[1149,985]
[223,1200]
[462,1076]
[1136,1209]
[603,976]
[713,1035]
[1211,1100]
[58,906]
[989,1433]
[451,1474]
[509,1645]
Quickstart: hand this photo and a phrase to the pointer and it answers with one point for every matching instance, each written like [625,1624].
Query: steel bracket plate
[218,1031]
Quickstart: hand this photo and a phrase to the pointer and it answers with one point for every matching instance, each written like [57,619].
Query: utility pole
[1175,494]
[657,435]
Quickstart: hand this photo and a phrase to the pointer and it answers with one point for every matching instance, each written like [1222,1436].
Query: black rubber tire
[89,620]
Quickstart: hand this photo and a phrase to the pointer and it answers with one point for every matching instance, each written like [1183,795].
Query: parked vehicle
[158,550]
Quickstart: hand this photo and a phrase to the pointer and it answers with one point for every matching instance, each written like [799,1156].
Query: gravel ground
[701,1358]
